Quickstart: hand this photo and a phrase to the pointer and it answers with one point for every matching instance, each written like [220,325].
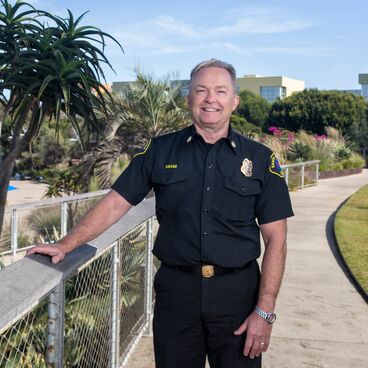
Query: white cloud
[300,51]
[263,20]
[344,38]
[170,24]
[166,34]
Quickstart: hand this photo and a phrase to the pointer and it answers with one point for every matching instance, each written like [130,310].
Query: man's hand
[106,212]
[55,251]
[258,335]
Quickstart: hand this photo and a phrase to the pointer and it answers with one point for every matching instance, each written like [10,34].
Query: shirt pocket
[239,197]
[170,191]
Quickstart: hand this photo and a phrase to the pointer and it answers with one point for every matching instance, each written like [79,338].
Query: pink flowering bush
[330,148]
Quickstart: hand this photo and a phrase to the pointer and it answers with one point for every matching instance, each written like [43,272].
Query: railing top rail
[25,282]
[47,202]
[301,164]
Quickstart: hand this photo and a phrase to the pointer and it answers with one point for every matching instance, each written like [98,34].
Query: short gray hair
[213,63]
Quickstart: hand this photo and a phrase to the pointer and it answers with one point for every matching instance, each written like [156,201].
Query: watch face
[271,317]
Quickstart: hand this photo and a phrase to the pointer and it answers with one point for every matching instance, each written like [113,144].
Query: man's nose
[210,97]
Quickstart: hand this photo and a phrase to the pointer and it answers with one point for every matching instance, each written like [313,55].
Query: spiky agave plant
[49,65]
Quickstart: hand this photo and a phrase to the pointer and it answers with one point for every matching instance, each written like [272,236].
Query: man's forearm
[273,266]
[99,218]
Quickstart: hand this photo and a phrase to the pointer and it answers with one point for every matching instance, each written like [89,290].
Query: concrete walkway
[322,320]
[27,191]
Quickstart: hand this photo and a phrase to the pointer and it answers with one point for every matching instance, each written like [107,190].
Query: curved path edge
[344,264]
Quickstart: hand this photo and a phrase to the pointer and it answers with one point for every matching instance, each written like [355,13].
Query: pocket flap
[166,178]
[243,187]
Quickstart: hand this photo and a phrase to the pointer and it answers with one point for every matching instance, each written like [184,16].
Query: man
[211,184]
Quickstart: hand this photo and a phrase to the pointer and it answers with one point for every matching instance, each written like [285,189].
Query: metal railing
[43,221]
[301,175]
[87,311]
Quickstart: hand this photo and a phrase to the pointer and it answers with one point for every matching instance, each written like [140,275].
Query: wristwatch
[269,317]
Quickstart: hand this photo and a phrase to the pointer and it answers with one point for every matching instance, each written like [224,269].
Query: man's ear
[236,102]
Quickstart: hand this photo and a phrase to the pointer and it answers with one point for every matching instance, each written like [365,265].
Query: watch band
[269,317]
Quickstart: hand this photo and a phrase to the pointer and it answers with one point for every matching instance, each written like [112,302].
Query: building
[119,87]
[363,81]
[357,92]
[270,88]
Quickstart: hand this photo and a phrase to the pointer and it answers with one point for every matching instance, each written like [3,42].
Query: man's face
[212,98]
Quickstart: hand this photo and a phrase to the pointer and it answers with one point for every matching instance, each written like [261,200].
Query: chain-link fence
[23,343]
[42,222]
[102,310]
[87,330]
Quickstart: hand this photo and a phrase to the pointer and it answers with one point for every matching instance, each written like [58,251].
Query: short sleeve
[134,183]
[274,202]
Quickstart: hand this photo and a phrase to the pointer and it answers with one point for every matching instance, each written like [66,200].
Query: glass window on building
[365,91]
[272,93]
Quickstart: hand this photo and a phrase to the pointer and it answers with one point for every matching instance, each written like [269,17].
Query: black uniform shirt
[208,197]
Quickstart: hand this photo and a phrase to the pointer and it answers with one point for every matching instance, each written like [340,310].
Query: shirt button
[205,234]
[244,189]
[205,211]
[210,165]
[208,189]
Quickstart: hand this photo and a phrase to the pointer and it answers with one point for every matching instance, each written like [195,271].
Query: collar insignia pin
[189,139]
[233,144]
[247,167]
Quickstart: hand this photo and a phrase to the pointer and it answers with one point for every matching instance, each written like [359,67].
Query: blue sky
[321,42]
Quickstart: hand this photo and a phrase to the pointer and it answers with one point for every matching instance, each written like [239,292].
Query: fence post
[14,231]
[302,184]
[287,176]
[148,283]
[55,327]
[115,306]
[317,172]
[64,219]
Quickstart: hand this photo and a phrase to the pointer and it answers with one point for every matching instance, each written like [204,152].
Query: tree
[253,108]
[243,126]
[49,66]
[314,111]
[147,108]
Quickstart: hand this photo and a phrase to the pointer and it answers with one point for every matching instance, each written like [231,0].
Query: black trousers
[196,316]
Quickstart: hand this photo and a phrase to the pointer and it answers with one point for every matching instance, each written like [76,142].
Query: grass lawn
[351,229]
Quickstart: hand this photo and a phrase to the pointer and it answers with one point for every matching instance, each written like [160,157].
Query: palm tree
[49,65]
[151,108]
[147,108]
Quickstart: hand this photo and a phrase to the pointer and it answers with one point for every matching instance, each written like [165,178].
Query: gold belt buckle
[208,271]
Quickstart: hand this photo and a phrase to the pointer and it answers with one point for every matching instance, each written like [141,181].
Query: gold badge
[247,167]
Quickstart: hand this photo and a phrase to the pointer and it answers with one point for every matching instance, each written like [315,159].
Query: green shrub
[299,151]
[23,240]
[357,161]
[343,153]
[336,166]
[45,222]
[243,126]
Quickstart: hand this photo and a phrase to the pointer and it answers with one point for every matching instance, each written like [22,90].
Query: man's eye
[223,92]
[200,90]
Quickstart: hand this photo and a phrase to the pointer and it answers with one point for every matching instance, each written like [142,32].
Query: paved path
[322,320]
[27,191]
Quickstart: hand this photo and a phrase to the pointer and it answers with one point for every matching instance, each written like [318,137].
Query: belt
[207,270]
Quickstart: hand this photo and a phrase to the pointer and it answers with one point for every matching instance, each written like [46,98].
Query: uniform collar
[231,138]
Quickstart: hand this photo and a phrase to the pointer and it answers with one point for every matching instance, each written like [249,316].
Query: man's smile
[210,109]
